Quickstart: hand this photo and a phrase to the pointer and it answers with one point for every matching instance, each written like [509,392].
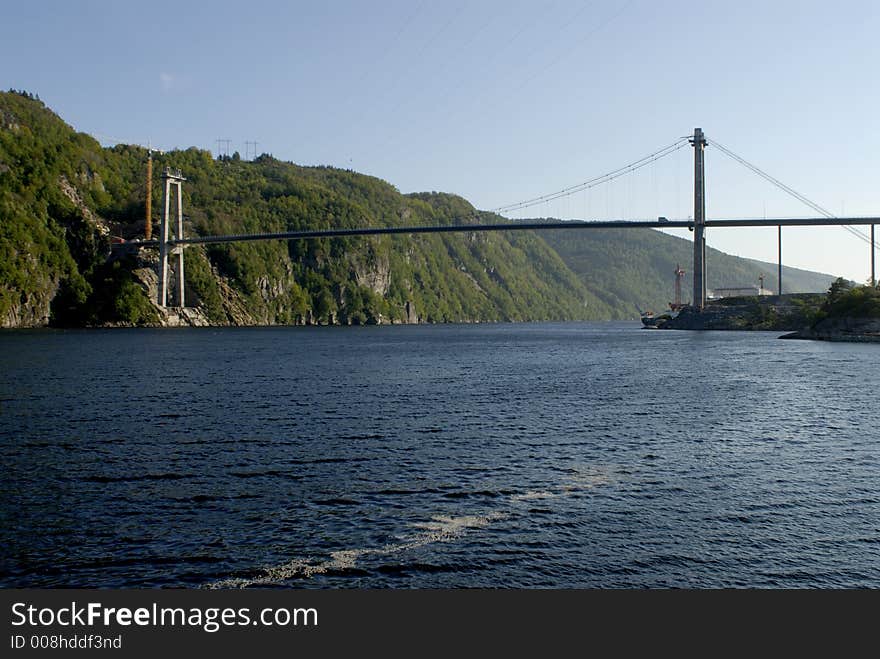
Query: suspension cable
[782,186]
[593,182]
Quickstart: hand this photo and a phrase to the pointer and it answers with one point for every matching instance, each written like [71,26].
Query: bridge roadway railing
[512,226]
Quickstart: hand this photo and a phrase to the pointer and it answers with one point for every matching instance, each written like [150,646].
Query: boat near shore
[651,321]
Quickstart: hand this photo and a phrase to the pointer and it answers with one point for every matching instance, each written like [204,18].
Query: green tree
[838,290]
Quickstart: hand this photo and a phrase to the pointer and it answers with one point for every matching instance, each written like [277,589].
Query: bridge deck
[514,226]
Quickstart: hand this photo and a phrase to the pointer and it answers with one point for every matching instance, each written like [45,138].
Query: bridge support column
[873,251]
[166,246]
[699,143]
[163,250]
[779,259]
[181,302]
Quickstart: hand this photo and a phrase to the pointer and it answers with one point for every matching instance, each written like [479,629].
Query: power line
[220,141]
[605,178]
[782,186]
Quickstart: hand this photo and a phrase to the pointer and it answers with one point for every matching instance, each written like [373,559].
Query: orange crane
[148,225]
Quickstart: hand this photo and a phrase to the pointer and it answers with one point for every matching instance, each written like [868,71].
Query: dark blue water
[545,455]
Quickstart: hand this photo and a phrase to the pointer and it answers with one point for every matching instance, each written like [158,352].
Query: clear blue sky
[496,100]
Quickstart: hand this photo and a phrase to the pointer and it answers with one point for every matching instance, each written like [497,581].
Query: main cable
[605,178]
[787,189]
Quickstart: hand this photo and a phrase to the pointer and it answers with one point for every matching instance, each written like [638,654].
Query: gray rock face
[411,315]
[70,191]
[31,310]
[375,275]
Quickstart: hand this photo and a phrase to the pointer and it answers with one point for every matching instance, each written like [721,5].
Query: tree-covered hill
[63,196]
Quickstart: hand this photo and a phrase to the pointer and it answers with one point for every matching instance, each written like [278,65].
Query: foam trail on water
[533,494]
[586,478]
[439,529]
[583,478]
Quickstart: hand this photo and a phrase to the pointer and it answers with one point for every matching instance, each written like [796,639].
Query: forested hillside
[63,197]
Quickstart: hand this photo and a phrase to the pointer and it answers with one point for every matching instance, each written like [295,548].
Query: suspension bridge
[173,245]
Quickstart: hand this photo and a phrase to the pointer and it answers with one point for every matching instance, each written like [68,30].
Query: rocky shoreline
[782,313]
[860,330]
[792,313]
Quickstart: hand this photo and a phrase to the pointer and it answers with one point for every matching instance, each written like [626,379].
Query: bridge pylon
[698,141]
[173,179]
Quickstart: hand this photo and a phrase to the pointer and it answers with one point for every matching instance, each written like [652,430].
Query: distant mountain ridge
[634,268]
[62,197]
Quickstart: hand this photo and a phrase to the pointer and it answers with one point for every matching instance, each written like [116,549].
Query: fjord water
[523,455]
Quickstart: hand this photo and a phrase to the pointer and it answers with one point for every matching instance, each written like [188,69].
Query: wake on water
[439,529]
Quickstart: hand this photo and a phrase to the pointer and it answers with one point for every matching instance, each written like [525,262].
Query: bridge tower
[699,143]
[166,248]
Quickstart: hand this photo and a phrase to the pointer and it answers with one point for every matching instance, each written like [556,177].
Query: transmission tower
[226,144]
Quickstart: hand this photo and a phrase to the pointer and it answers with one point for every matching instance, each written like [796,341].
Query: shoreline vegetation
[849,313]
